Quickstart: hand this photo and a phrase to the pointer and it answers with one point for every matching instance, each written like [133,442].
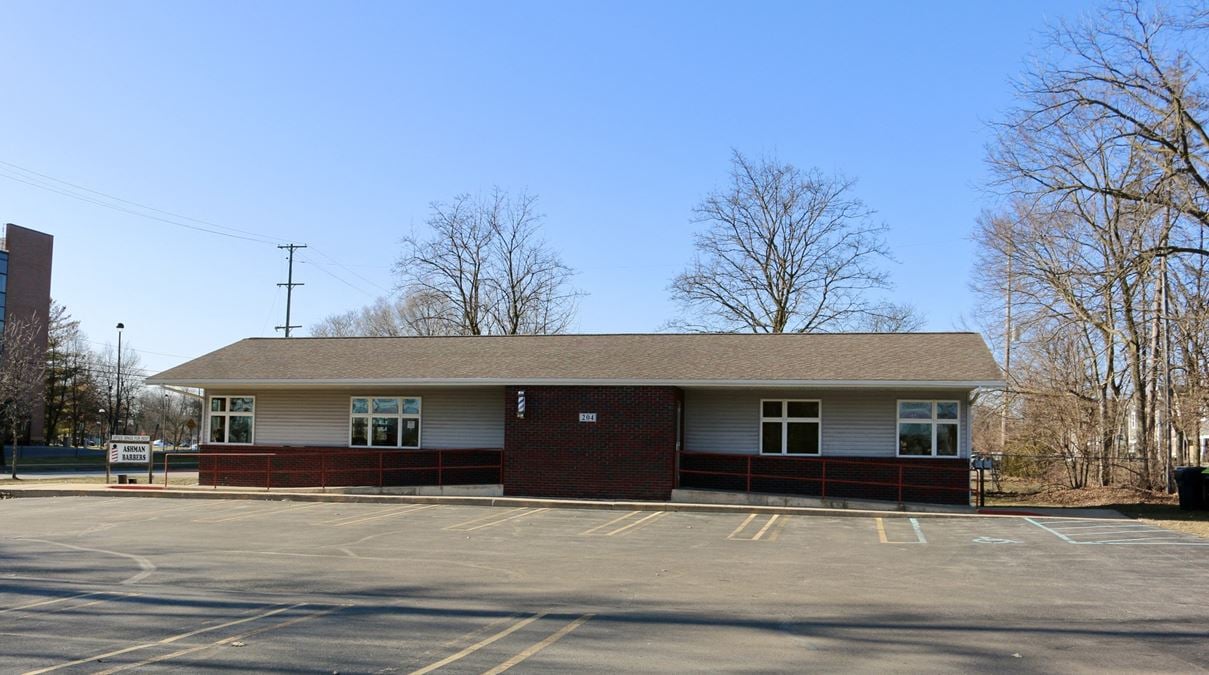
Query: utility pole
[289,287]
[1007,357]
[1165,326]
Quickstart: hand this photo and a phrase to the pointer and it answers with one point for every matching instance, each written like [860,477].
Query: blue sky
[335,125]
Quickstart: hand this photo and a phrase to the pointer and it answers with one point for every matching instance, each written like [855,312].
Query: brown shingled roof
[704,359]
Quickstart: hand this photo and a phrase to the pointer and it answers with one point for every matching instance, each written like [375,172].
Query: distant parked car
[158,443]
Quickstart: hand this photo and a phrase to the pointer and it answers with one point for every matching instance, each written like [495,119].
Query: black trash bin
[1191,482]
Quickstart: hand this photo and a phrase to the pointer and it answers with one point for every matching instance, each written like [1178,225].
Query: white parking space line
[622,518]
[771,527]
[1056,533]
[218,643]
[1101,533]
[1077,532]
[53,601]
[256,514]
[535,648]
[1069,521]
[641,522]
[478,645]
[767,525]
[881,532]
[742,526]
[354,520]
[496,519]
[1091,531]
[168,640]
[147,515]
[1158,539]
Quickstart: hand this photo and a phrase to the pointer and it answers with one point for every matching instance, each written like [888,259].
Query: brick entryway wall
[629,452]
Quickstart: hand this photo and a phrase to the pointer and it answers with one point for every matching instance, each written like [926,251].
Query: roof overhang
[537,382]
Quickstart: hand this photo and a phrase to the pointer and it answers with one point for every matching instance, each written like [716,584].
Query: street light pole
[105,442]
[117,409]
[163,443]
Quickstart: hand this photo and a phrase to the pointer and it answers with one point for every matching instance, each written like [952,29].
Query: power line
[121,209]
[333,275]
[350,271]
[69,189]
[250,236]
[268,317]
[140,351]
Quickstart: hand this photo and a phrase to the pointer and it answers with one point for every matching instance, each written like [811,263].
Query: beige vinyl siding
[856,423]
[462,417]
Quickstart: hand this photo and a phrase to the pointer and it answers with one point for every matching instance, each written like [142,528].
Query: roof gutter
[582,382]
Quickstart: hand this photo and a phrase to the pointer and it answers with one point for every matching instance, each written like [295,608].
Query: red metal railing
[896,466]
[324,468]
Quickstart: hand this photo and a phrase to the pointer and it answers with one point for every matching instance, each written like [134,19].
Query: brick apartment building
[25,265]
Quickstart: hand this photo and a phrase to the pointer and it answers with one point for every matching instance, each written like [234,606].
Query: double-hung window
[790,427]
[384,422]
[231,419]
[928,428]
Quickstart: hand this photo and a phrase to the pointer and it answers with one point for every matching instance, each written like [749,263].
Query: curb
[532,502]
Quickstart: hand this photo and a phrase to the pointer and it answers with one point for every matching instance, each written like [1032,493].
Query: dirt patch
[1023,492]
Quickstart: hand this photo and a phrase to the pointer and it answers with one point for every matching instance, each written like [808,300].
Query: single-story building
[853,415]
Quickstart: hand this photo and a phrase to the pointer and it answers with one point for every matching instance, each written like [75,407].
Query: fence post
[900,483]
[217,465]
[323,471]
[165,469]
[381,476]
[824,488]
[749,473]
[440,468]
[268,472]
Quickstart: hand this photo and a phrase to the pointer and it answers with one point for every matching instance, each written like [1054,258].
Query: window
[384,422]
[790,428]
[928,428]
[231,419]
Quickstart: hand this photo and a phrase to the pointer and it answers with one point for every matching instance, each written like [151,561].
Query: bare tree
[165,414]
[1126,86]
[120,412]
[1082,313]
[529,286]
[485,270]
[891,318]
[67,375]
[784,250]
[1105,165]
[22,369]
[414,314]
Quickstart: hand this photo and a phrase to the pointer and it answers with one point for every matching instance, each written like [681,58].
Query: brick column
[627,453]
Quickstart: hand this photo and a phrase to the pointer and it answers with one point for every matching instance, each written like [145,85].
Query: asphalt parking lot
[113,584]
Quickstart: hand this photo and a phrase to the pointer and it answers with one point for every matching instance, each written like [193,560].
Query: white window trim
[933,420]
[210,413]
[784,419]
[401,416]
